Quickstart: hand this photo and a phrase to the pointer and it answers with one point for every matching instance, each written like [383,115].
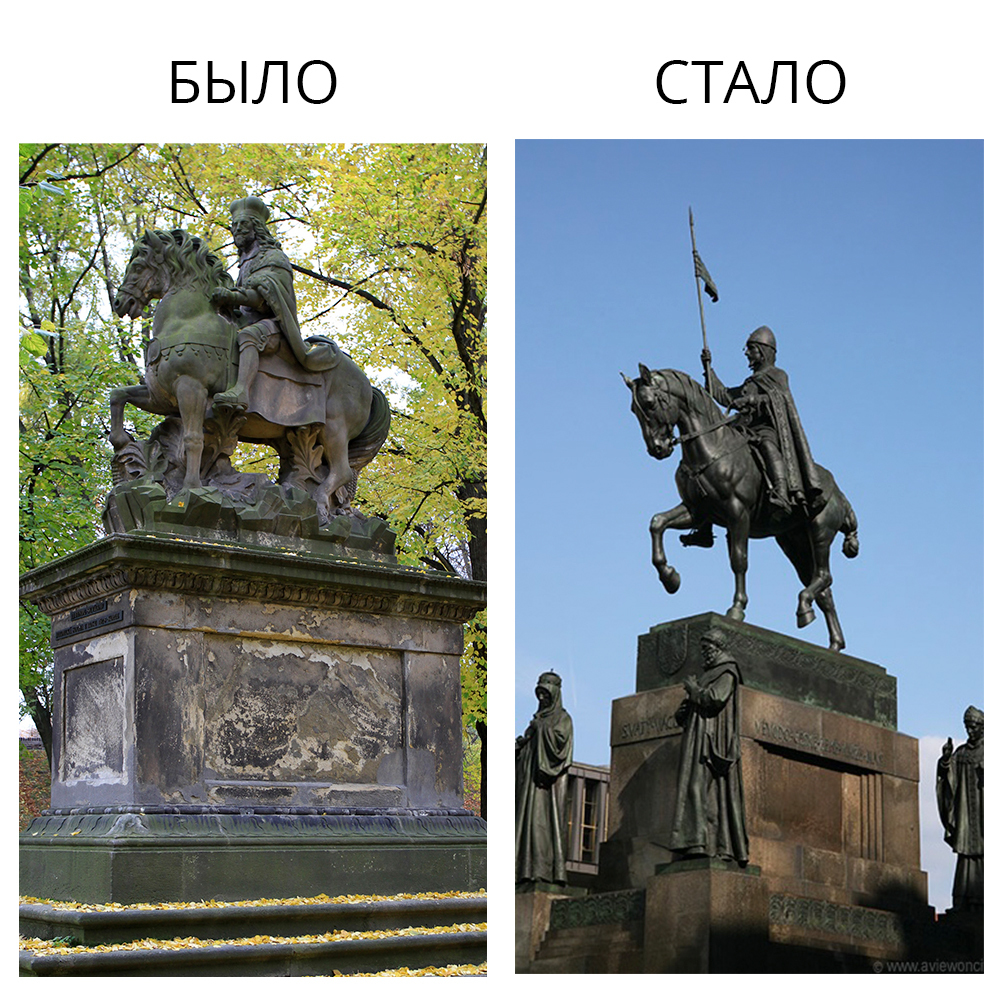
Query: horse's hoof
[671,580]
[836,647]
[804,618]
[737,614]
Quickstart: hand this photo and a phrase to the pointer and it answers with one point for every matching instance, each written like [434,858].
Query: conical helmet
[763,335]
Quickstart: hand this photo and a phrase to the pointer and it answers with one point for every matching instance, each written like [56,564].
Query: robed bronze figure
[960,804]
[709,818]
[542,759]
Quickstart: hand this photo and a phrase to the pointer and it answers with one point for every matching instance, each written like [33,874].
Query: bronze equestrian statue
[751,473]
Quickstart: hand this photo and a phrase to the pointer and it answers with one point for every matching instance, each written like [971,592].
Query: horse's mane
[694,394]
[190,258]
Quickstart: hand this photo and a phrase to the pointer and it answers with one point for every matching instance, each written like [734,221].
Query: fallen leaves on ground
[40,947]
[431,970]
[322,898]
[33,786]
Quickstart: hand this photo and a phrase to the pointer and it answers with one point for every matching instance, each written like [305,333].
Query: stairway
[301,938]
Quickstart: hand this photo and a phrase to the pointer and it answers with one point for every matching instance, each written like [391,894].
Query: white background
[478,72]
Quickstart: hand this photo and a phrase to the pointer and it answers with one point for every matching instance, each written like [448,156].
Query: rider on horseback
[768,415]
[265,297]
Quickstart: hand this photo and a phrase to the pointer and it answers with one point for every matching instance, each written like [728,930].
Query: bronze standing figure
[960,805]
[710,819]
[542,759]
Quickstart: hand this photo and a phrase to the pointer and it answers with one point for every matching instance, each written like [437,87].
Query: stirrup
[702,537]
[779,498]
[230,397]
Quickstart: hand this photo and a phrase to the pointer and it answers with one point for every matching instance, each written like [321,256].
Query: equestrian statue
[750,472]
[227,362]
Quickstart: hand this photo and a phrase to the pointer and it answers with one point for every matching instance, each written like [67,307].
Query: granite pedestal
[237,721]
[831,802]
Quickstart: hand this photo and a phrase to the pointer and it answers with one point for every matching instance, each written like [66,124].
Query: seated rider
[770,419]
[265,297]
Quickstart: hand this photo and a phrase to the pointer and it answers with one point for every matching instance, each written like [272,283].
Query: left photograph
[252,541]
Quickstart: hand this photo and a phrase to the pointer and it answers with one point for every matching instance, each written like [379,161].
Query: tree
[390,246]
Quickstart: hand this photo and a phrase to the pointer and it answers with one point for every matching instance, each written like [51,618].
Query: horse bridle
[691,435]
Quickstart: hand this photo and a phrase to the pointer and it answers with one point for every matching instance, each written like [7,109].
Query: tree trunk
[481,730]
[40,714]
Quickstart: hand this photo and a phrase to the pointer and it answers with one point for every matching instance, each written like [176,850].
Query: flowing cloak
[783,418]
[709,816]
[269,271]
[960,804]
[542,763]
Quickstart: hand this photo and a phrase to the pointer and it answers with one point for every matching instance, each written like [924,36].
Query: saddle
[284,392]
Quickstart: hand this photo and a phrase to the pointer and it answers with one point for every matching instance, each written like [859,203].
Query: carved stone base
[202,678]
[260,514]
[831,801]
[133,856]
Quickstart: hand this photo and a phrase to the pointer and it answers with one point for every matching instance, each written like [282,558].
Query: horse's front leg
[137,395]
[677,517]
[192,398]
[738,538]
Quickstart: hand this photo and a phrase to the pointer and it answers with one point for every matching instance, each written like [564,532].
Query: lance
[701,274]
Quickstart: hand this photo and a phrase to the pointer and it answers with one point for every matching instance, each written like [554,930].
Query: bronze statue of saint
[709,820]
[770,419]
[265,299]
[960,804]
[542,759]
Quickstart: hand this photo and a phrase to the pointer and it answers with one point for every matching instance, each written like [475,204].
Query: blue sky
[866,259]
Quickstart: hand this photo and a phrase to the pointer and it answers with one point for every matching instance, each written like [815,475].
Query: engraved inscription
[647,729]
[88,610]
[799,739]
[114,616]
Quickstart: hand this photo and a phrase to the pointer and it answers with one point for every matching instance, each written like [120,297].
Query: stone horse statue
[325,425]
[721,482]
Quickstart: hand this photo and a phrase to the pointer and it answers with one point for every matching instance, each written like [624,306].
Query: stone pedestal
[834,879]
[706,916]
[239,721]
[531,919]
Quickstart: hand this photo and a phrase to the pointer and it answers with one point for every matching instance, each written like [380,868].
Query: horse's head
[146,277]
[163,260]
[656,410]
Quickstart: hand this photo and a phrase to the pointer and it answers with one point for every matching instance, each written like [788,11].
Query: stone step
[287,959]
[596,948]
[90,927]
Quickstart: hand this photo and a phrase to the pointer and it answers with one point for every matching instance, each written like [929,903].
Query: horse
[192,355]
[720,482]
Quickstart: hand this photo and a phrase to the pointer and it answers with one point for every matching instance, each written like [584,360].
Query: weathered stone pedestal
[238,721]
[834,880]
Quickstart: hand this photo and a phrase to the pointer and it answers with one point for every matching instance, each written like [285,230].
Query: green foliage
[472,770]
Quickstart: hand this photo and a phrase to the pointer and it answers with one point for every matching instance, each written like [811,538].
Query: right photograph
[750,556]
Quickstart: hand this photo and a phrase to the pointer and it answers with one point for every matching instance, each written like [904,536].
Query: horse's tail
[849,526]
[362,449]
